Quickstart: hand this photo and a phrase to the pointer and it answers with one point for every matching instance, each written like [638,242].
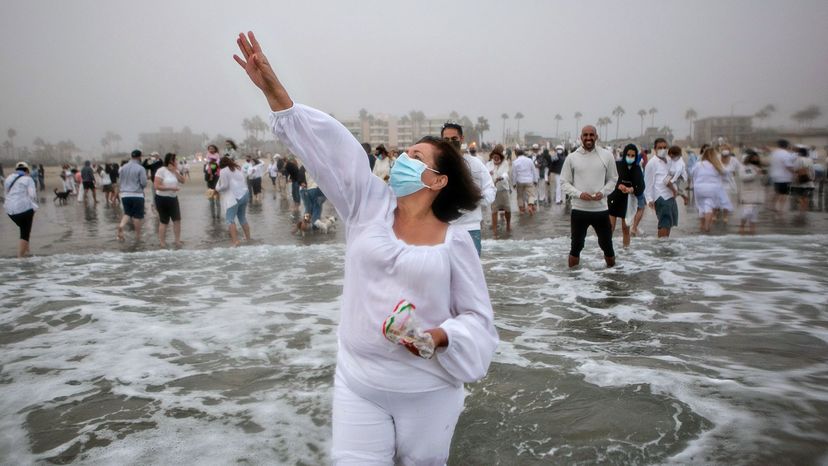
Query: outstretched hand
[257,67]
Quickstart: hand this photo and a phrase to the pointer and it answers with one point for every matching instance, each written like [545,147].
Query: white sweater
[480,175]
[589,172]
[445,282]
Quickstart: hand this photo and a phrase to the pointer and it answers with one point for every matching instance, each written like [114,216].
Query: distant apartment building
[391,131]
[734,129]
[167,140]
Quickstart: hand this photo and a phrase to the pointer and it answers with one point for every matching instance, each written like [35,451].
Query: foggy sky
[74,69]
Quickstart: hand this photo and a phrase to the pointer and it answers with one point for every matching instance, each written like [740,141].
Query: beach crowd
[722,183]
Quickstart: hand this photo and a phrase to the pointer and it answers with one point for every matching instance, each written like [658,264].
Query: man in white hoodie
[453,133]
[588,176]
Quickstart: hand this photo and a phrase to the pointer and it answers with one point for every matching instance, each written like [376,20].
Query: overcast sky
[74,69]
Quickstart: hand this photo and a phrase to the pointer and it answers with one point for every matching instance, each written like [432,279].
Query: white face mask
[661,153]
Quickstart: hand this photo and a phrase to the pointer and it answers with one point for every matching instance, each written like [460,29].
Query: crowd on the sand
[720,181]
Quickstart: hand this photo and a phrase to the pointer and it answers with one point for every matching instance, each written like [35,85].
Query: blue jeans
[313,200]
[239,210]
[475,234]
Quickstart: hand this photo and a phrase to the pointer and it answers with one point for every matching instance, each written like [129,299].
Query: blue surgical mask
[630,160]
[406,175]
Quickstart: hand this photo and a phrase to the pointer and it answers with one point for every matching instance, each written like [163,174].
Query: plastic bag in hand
[403,328]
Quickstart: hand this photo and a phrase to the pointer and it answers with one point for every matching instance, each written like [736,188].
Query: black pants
[600,221]
[24,221]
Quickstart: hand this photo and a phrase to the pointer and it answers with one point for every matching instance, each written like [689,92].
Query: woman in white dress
[730,187]
[393,403]
[707,187]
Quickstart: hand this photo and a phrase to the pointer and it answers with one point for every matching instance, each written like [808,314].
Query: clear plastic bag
[402,327]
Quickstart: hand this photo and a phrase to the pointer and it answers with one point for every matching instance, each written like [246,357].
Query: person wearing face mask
[730,186]
[752,194]
[588,177]
[658,194]
[391,404]
[470,221]
[382,166]
[20,203]
[499,171]
[555,172]
[630,184]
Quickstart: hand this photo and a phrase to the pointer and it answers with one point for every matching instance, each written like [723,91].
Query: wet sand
[89,228]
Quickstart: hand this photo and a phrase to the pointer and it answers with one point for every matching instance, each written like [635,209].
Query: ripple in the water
[695,351]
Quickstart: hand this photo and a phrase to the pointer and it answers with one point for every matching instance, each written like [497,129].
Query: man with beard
[588,176]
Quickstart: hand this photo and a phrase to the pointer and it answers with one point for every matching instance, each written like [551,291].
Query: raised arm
[330,153]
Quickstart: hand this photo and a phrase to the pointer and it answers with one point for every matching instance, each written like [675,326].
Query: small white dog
[327,225]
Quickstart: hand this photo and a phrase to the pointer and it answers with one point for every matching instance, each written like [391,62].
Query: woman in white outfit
[391,404]
[730,188]
[707,187]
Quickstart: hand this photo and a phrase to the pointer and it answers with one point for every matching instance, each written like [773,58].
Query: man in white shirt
[525,180]
[588,176]
[781,173]
[382,165]
[453,133]
[658,194]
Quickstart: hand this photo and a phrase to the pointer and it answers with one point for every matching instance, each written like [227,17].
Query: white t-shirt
[445,282]
[168,180]
[780,164]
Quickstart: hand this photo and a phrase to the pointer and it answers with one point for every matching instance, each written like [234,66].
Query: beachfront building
[168,140]
[392,131]
[735,129]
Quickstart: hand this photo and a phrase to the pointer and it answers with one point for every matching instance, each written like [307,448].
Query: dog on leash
[326,225]
[303,226]
[61,197]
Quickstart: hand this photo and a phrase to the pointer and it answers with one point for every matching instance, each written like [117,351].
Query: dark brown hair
[460,192]
[674,150]
[228,162]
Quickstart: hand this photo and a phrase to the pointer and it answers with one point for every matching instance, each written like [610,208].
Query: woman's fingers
[256,47]
[245,45]
[240,61]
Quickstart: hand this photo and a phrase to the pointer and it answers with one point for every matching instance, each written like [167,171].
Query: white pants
[542,186]
[558,191]
[375,427]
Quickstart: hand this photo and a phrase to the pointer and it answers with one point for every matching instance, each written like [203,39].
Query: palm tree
[618,112]
[807,115]
[11,133]
[690,115]
[578,116]
[558,119]
[642,113]
[652,113]
[604,122]
[518,117]
[505,117]
[481,127]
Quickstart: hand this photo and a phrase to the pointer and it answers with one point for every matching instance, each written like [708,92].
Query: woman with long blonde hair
[707,187]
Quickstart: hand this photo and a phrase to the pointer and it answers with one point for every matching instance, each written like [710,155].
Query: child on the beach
[678,173]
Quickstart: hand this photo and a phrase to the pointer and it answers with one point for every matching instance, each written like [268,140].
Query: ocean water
[701,350]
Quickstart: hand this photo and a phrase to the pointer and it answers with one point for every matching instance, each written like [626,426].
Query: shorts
[802,192]
[239,211]
[133,207]
[167,209]
[642,201]
[782,188]
[107,188]
[88,185]
[526,193]
[24,221]
[256,185]
[750,213]
[502,201]
[667,212]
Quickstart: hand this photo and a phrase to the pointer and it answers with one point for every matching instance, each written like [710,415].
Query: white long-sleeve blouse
[445,282]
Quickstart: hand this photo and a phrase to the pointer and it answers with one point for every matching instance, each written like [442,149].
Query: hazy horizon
[74,70]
